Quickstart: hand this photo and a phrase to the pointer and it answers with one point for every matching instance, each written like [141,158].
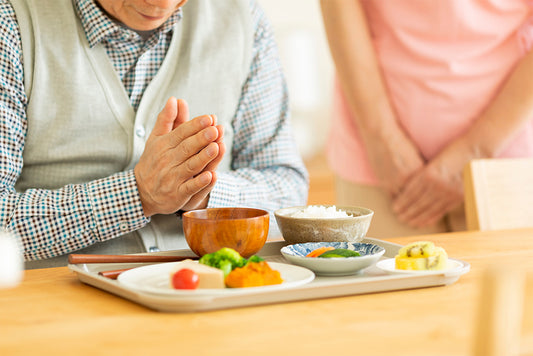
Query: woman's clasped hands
[436,188]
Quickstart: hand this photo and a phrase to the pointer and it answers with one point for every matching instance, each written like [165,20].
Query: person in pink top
[424,87]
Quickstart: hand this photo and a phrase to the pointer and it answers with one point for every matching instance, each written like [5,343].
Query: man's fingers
[197,199]
[165,120]
[197,163]
[220,129]
[213,165]
[195,185]
[192,146]
[191,128]
[183,113]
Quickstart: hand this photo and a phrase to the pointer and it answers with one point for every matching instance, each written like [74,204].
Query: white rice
[319,211]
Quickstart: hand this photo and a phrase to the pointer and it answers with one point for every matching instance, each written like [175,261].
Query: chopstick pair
[113,274]
[80,258]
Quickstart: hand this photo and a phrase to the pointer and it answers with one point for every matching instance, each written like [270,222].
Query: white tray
[370,280]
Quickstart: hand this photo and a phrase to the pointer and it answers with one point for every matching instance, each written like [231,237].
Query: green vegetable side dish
[339,252]
[227,259]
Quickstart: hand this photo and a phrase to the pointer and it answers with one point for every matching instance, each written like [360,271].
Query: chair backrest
[499,193]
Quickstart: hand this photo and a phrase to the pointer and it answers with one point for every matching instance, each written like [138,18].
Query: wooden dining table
[52,313]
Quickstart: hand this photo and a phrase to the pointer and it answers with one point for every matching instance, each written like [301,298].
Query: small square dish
[334,266]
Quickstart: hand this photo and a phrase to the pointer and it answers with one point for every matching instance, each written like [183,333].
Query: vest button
[140,132]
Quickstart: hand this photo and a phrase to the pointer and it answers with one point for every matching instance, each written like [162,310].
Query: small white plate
[155,279]
[336,266]
[453,267]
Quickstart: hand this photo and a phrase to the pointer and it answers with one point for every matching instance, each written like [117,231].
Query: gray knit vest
[81,125]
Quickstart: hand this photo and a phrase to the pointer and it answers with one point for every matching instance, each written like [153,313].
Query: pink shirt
[443,61]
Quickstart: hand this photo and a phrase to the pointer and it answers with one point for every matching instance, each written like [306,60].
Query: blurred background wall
[308,68]
[309,71]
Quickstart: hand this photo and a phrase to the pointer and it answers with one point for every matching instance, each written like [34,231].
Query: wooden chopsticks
[113,274]
[81,258]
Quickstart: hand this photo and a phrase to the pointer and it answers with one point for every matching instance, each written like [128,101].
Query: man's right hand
[177,168]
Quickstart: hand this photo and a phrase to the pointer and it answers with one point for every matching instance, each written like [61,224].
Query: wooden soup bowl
[242,229]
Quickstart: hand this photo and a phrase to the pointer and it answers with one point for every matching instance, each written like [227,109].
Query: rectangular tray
[370,280]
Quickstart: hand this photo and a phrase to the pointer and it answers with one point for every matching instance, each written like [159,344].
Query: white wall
[308,68]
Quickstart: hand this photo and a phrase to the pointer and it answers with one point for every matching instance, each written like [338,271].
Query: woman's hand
[394,160]
[436,188]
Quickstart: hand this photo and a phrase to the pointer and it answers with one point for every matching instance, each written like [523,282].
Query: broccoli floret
[207,259]
[255,258]
[226,259]
[226,267]
[233,256]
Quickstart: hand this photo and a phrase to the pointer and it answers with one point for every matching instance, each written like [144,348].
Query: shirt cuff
[224,193]
[116,204]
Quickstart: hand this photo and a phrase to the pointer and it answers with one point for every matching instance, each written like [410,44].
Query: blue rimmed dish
[336,266]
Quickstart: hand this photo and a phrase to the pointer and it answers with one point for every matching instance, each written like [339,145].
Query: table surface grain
[52,312]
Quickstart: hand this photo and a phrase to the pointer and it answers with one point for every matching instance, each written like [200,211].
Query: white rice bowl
[323,223]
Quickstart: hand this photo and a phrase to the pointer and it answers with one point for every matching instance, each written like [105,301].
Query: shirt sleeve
[52,222]
[267,169]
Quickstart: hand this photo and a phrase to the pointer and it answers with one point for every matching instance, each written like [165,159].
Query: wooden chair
[499,193]
[499,320]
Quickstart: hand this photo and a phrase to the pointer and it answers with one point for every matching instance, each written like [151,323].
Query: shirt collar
[98,25]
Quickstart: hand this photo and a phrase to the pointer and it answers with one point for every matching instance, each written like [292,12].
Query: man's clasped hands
[177,169]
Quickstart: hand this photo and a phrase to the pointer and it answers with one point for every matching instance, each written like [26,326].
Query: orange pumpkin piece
[254,274]
[319,251]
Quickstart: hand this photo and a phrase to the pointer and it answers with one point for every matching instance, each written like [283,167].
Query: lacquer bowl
[242,229]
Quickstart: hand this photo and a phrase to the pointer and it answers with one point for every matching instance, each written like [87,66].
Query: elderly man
[97,154]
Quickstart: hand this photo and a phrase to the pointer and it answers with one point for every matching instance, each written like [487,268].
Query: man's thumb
[167,116]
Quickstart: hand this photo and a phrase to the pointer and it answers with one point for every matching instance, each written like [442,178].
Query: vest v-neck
[114,90]
[117,95]
[163,76]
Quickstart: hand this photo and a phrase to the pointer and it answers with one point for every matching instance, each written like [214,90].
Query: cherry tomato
[185,278]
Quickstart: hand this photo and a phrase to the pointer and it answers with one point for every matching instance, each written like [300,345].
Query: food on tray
[240,272]
[317,252]
[339,252]
[254,274]
[418,249]
[208,277]
[330,251]
[227,259]
[185,278]
[421,255]
[320,211]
